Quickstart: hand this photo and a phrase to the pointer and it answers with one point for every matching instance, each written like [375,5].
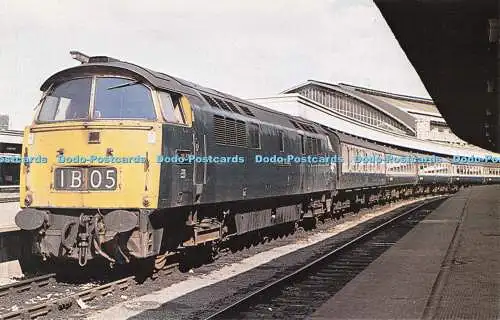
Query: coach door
[176,184]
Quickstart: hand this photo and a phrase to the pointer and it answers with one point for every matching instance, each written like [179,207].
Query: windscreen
[114,98]
[67,101]
[117,98]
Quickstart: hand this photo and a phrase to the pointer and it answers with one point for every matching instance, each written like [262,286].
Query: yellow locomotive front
[97,136]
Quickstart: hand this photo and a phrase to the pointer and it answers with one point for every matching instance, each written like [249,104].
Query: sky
[247,48]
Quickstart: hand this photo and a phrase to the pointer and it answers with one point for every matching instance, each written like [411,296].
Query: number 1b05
[81,179]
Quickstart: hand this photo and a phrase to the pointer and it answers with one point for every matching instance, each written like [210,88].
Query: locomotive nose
[31,219]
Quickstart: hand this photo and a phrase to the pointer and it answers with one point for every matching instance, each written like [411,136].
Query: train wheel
[213,251]
[247,240]
[310,223]
[161,261]
[256,239]
[292,227]
[235,244]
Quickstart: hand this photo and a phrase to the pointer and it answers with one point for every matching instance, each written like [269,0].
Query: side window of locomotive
[117,98]
[253,136]
[67,101]
[171,107]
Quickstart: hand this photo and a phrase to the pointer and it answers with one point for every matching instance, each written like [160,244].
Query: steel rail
[27,284]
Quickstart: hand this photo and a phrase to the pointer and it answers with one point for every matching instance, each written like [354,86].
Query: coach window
[345,158]
[329,144]
[309,146]
[302,144]
[366,161]
[356,161]
[253,136]
[319,149]
[281,136]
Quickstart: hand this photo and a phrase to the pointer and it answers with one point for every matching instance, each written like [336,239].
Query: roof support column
[498,76]
[494,82]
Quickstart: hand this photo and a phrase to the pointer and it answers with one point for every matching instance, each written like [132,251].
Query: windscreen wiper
[124,85]
[44,95]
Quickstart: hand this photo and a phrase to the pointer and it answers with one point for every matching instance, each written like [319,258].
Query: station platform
[447,267]
[8,212]
[12,242]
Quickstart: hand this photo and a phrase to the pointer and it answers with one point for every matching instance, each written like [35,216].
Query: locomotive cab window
[114,98]
[67,101]
[118,98]
[172,108]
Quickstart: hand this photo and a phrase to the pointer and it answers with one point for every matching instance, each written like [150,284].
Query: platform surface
[8,211]
[447,267]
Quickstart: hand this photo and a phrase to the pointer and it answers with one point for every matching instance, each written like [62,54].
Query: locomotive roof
[156,79]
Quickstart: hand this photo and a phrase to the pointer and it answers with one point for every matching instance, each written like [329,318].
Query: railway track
[59,302]
[298,294]
[58,296]
[68,295]
[27,284]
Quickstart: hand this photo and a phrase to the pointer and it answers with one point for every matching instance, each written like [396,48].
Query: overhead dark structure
[453,45]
